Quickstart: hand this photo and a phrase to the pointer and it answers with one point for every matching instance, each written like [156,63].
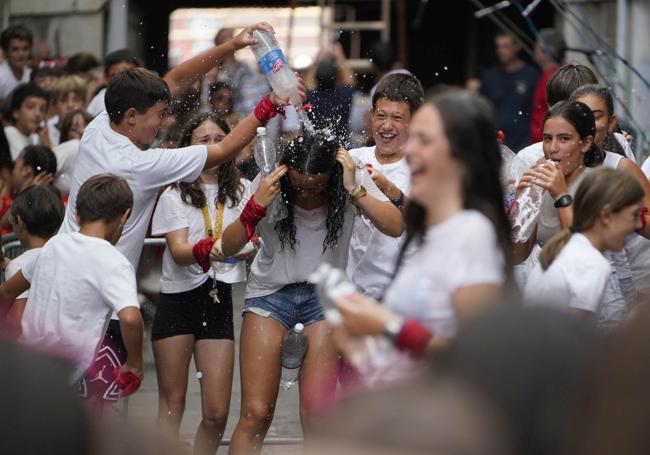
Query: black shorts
[195,313]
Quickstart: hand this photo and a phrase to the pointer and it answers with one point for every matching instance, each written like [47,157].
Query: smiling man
[16,42]
[373,255]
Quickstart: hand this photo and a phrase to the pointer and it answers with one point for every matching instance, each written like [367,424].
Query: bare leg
[259,362]
[318,373]
[172,356]
[215,360]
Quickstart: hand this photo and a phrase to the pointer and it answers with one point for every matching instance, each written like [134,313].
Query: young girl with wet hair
[323,192]
[572,270]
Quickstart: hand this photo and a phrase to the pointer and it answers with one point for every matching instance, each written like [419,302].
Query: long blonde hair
[601,187]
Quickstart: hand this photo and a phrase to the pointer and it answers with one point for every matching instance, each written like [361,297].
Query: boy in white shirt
[36,215]
[79,279]
[68,94]
[373,255]
[16,42]
[28,107]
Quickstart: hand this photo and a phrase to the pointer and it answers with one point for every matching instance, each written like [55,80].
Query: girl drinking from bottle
[195,312]
[572,271]
[323,193]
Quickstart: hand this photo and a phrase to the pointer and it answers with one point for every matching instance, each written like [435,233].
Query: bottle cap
[298,328]
[261,130]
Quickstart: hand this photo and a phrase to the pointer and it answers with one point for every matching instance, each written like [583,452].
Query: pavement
[285,434]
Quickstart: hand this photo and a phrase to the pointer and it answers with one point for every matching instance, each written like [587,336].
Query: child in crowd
[35,165]
[68,94]
[16,42]
[72,128]
[78,279]
[27,109]
[36,215]
[114,63]
[190,319]
[572,271]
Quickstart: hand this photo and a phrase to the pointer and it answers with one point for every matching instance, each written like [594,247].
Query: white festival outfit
[8,81]
[373,255]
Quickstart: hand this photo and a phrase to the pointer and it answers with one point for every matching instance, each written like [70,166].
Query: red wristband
[266,110]
[413,337]
[128,382]
[251,215]
[201,252]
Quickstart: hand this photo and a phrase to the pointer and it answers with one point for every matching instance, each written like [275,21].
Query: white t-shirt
[18,141]
[66,157]
[16,264]
[53,131]
[77,282]
[104,150]
[172,214]
[575,279]
[274,266]
[8,81]
[97,105]
[529,155]
[461,251]
[373,255]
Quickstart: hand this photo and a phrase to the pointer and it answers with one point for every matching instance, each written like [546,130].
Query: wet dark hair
[103,197]
[567,79]
[469,126]
[40,158]
[230,186]
[400,87]
[66,124]
[313,154]
[40,209]
[136,88]
[580,116]
[18,96]
[327,74]
[17,31]
[120,56]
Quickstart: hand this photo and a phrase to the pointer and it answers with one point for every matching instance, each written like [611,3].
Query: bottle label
[272,62]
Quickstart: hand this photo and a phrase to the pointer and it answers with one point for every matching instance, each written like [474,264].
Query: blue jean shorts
[294,303]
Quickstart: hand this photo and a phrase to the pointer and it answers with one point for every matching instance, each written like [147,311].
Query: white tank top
[612,160]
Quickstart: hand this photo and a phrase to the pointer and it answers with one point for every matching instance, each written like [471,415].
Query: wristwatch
[393,328]
[358,192]
[563,201]
[398,201]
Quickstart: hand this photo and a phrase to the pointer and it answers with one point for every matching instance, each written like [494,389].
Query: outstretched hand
[245,37]
[270,186]
[349,169]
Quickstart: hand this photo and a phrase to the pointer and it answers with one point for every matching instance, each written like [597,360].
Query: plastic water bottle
[525,211]
[294,348]
[273,64]
[224,266]
[267,159]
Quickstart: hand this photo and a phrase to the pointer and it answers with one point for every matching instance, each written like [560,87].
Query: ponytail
[553,248]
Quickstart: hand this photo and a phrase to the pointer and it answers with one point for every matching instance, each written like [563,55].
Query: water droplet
[199,375]
[204,323]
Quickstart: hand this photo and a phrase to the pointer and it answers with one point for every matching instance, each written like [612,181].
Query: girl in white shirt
[572,271]
[323,193]
[195,312]
[457,219]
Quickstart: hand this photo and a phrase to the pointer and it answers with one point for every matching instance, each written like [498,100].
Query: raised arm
[383,214]
[188,72]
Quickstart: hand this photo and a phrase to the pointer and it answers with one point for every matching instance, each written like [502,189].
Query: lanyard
[209,231]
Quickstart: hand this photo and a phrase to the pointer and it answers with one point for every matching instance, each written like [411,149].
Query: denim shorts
[294,303]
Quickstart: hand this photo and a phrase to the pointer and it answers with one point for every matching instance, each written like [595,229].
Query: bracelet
[266,110]
[398,201]
[563,201]
[358,192]
[201,252]
[251,215]
[413,337]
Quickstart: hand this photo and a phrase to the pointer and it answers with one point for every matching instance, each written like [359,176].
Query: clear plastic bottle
[267,159]
[294,348]
[273,64]
[224,266]
[525,211]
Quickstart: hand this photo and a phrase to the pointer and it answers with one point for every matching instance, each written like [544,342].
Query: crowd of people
[486,344]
